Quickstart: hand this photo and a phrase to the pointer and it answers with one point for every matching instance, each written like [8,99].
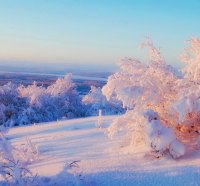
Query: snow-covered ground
[102,161]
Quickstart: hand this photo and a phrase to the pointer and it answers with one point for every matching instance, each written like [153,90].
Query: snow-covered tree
[54,102]
[33,104]
[173,96]
[66,98]
[40,106]
[2,113]
[187,105]
[11,104]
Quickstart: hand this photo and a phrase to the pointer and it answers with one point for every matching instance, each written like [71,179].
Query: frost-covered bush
[11,104]
[172,96]
[33,104]
[95,101]
[39,105]
[54,102]
[14,162]
[2,113]
[187,104]
[66,98]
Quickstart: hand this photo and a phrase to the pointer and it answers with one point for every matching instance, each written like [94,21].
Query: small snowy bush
[171,95]
[11,104]
[14,162]
[95,101]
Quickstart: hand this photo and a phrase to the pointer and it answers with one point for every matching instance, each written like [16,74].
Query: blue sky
[93,31]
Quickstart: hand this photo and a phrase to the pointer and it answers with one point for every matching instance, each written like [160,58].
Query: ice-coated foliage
[95,101]
[171,95]
[33,104]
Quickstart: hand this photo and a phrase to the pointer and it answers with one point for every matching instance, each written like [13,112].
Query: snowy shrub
[172,97]
[11,104]
[187,104]
[2,113]
[95,101]
[14,162]
[39,105]
[33,104]
[66,98]
[29,153]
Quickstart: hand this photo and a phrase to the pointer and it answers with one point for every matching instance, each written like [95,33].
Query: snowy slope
[102,161]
